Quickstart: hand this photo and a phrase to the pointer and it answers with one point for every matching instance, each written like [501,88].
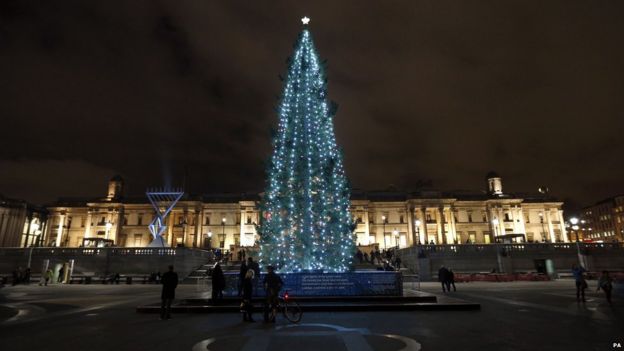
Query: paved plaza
[513,316]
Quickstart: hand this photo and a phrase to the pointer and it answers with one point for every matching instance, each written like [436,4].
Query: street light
[383,220]
[223,231]
[574,221]
[395,232]
[417,223]
[209,235]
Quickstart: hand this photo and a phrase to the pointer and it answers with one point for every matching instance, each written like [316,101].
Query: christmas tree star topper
[305,20]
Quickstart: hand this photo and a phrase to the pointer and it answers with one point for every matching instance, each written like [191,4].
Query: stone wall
[101,261]
[512,258]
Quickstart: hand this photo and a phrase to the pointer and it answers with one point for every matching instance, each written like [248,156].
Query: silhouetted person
[443,278]
[27,276]
[579,280]
[169,282]
[272,285]
[397,262]
[16,276]
[451,280]
[366,257]
[241,276]
[218,283]
[247,296]
[61,275]
[359,255]
[605,282]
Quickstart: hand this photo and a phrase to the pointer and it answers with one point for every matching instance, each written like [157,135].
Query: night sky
[442,91]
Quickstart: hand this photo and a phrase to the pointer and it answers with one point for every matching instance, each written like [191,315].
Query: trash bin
[128,280]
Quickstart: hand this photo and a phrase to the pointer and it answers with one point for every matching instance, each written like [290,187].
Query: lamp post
[209,235]
[574,221]
[383,219]
[223,231]
[395,232]
[417,223]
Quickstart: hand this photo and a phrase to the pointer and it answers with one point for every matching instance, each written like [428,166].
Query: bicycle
[289,308]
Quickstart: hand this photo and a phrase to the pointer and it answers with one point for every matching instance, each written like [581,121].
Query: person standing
[272,285]
[47,275]
[443,278]
[241,276]
[27,276]
[247,296]
[170,283]
[359,255]
[451,280]
[218,283]
[579,280]
[61,276]
[606,284]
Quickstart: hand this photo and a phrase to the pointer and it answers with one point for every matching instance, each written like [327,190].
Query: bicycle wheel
[292,311]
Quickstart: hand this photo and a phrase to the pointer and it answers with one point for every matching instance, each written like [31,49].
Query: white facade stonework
[385,219]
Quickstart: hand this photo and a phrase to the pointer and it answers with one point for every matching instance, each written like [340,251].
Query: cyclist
[272,285]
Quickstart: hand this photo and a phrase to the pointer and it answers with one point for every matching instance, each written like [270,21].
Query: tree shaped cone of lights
[306,224]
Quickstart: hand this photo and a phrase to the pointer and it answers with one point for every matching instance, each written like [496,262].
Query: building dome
[494,184]
[492,174]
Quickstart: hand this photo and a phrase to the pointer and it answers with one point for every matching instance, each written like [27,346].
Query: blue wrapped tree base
[370,283]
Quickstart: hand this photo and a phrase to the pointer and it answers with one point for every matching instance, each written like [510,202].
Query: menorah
[163,200]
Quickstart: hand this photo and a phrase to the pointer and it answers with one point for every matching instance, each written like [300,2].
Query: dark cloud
[441,91]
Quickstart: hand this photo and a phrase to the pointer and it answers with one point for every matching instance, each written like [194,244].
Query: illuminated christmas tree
[306,223]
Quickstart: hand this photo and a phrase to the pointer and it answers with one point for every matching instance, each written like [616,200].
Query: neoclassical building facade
[384,219]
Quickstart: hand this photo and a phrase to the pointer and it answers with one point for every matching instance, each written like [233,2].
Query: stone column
[522,226]
[87,233]
[423,225]
[564,233]
[440,223]
[170,228]
[61,228]
[551,232]
[410,226]
[452,229]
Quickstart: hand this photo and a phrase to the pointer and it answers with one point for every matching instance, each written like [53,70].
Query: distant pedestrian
[26,278]
[606,284]
[247,304]
[244,254]
[451,280]
[443,278]
[366,257]
[61,276]
[241,276]
[169,283]
[16,277]
[397,262]
[579,280]
[47,276]
[359,255]
[218,283]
